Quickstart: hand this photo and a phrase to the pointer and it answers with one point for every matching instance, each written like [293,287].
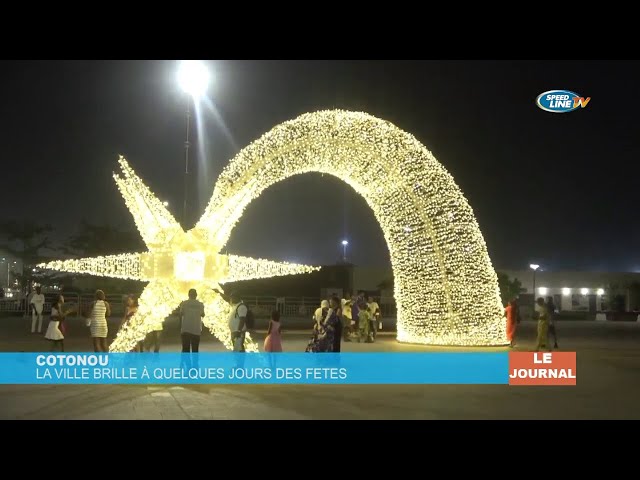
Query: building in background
[582,291]
[571,290]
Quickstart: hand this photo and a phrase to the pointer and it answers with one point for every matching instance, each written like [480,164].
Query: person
[54,333]
[551,308]
[130,309]
[542,315]
[511,311]
[37,303]
[355,313]
[325,340]
[338,325]
[320,313]
[318,319]
[97,322]
[364,323]
[273,342]
[191,313]
[237,319]
[152,340]
[237,322]
[374,310]
[348,321]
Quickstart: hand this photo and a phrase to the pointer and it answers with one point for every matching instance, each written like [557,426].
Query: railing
[262,306]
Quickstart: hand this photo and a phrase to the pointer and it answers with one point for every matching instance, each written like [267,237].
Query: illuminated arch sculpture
[446,289]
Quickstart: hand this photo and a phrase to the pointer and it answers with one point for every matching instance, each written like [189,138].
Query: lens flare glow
[193,77]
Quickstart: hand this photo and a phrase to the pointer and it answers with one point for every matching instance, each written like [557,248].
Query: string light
[445,287]
[176,262]
[126,266]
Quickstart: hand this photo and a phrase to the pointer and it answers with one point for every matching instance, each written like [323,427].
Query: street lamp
[344,250]
[8,263]
[534,267]
[193,78]
[165,203]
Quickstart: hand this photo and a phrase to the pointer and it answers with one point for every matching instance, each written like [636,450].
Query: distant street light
[534,267]
[193,78]
[344,250]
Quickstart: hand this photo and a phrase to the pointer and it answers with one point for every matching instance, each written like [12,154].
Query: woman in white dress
[97,322]
[53,333]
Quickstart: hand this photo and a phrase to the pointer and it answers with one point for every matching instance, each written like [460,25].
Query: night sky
[557,189]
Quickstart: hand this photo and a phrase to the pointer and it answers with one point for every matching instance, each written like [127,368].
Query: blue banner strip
[254,368]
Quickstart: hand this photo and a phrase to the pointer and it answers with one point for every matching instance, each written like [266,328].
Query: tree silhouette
[508,288]
[91,240]
[25,241]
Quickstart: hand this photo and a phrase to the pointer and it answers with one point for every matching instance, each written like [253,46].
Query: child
[130,309]
[273,342]
[364,323]
[54,329]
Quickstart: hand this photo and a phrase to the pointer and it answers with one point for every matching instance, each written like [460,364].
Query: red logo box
[542,368]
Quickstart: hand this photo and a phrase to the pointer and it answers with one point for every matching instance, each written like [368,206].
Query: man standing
[347,326]
[237,322]
[374,310]
[37,302]
[542,315]
[551,311]
[192,313]
[237,319]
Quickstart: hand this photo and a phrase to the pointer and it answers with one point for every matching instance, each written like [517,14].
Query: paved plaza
[608,368]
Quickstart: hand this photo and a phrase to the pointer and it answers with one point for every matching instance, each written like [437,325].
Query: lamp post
[344,250]
[8,262]
[534,267]
[193,78]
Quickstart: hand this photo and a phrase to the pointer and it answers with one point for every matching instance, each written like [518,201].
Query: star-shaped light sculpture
[175,262]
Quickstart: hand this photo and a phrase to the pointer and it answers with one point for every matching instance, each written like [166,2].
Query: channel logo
[542,368]
[561,101]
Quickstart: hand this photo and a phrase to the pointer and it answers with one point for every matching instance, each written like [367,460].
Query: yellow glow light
[189,266]
[446,289]
[176,261]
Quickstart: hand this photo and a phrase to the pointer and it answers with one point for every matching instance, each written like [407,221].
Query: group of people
[191,313]
[544,312]
[96,319]
[336,320]
[352,318]
[362,318]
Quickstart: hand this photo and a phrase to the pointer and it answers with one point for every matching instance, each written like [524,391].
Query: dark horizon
[545,188]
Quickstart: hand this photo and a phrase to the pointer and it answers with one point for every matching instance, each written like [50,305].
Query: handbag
[62,327]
